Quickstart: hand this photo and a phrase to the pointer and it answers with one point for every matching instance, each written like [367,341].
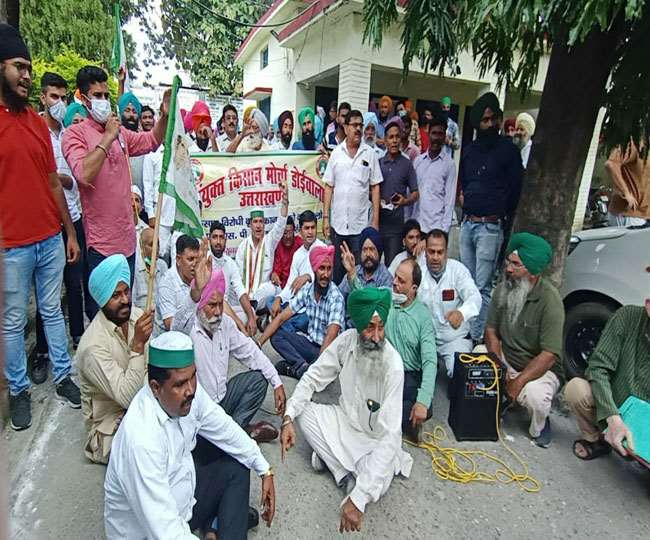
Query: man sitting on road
[288,245]
[324,317]
[110,355]
[411,234]
[216,339]
[524,329]
[359,440]
[153,487]
[410,330]
[451,295]
[618,368]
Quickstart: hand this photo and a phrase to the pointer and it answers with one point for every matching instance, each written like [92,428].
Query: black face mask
[308,140]
[202,143]
[131,125]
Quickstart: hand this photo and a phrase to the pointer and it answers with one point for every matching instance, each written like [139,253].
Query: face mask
[57,111]
[402,113]
[399,298]
[100,110]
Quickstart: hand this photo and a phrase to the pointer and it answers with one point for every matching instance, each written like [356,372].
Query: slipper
[593,449]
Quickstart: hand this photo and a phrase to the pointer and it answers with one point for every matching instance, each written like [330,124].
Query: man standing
[255,254]
[110,356]
[130,109]
[203,134]
[410,330]
[490,175]
[371,272]
[253,136]
[352,178]
[306,139]
[153,487]
[398,191]
[359,439]
[452,140]
[147,118]
[324,309]
[436,174]
[32,209]
[143,254]
[229,121]
[384,114]
[97,150]
[285,132]
[370,124]
[524,130]
[524,329]
[449,292]
[407,145]
[411,235]
[338,135]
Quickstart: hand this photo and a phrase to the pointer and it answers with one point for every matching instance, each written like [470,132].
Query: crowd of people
[378,304]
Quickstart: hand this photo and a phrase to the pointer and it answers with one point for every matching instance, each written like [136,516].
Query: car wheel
[582,328]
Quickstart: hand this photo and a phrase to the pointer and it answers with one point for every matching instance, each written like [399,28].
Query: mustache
[188,401]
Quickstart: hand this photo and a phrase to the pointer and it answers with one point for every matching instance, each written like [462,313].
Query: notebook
[635,413]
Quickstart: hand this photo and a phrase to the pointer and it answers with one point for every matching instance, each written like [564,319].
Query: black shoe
[68,391]
[253,517]
[20,407]
[75,342]
[40,368]
[543,440]
[284,368]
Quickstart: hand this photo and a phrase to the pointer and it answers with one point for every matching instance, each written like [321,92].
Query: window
[264,105]
[264,58]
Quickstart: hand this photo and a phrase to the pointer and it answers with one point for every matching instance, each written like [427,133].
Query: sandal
[592,449]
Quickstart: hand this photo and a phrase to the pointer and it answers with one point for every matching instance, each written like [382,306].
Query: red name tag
[448,295]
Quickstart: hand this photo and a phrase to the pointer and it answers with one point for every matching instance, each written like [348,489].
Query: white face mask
[399,298]
[101,110]
[57,111]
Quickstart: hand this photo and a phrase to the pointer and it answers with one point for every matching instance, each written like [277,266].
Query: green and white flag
[176,178]
[118,56]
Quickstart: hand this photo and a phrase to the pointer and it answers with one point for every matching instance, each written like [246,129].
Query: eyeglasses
[21,67]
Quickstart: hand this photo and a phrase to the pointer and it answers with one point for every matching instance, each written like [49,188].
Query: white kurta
[150,480]
[456,290]
[367,445]
[300,266]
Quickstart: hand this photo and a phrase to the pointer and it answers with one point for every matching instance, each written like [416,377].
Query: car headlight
[573,243]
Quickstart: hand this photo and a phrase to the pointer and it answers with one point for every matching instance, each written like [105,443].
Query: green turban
[305,111]
[535,252]
[488,99]
[362,304]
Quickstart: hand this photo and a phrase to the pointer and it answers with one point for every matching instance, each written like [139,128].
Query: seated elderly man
[451,295]
[110,356]
[410,330]
[371,272]
[216,339]
[324,310]
[618,368]
[158,485]
[524,329]
[358,440]
[143,269]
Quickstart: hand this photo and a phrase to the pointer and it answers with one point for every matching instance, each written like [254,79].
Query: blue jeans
[41,263]
[299,321]
[294,348]
[479,251]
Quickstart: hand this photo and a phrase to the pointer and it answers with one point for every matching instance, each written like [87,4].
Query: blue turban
[105,277]
[370,118]
[129,97]
[73,110]
[370,233]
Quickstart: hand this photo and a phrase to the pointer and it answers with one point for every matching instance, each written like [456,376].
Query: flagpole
[154,253]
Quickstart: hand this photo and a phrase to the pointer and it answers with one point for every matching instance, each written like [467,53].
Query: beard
[514,295]
[370,265]
[12,100]
[322,291]
[218,253]
[255,141]
[285,139]
[370,357]
[308,140]
[131,125]
[519,141]
[115,317]
[210,324]
[202,143]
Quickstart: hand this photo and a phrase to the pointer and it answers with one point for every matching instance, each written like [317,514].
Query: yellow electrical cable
[460,466]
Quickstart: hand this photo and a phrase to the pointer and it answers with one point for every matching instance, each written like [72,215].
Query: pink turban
[200,114]
[217,283]
[318,254]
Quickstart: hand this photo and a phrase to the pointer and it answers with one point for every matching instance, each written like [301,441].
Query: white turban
[526,121]
[261,121]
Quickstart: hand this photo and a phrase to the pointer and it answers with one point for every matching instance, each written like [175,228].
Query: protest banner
[231,185]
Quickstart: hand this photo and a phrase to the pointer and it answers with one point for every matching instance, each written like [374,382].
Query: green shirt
[410,331]
[619,367]
[538,328]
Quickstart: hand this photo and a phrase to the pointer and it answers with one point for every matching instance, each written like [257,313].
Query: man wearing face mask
[202,133]
[97,150]
[306,139]
[490,175]
[410,330]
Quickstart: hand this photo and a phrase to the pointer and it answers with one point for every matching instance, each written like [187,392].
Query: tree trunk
[573,93]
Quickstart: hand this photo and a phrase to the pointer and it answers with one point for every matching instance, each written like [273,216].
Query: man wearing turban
[253,136]
[201,132]
[524,130]
[284,132]
[110,355]
[130,109]
[324,310]
[306,135]
[452,133]
[490,175]
[359,439]
[384,113]
[371,272]
[524,329]
[370,124]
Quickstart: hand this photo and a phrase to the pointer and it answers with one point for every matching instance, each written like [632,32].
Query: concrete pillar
[354,83]
[587,174]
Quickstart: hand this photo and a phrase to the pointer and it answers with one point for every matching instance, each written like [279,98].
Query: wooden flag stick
[154,254]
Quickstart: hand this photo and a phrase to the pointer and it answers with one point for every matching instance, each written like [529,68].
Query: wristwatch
[267,473]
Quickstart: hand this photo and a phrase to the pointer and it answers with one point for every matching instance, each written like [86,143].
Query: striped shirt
[329,310]
[620,365]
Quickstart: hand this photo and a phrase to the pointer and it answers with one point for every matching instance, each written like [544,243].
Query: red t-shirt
[282,259]
[28,213]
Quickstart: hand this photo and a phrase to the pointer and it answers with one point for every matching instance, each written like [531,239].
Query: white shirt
[397,260]
[351,178]
[172,291]
[141,279]
[234,285]
[150,479]
[300,266]
[460,293]
[525,153]
[278,145]
[72,194]
[151,169]
[223,141]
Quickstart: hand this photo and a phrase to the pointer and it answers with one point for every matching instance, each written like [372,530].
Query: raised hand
[347,257]
[203,268]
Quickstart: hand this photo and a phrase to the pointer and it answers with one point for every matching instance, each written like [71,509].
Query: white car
[606,269]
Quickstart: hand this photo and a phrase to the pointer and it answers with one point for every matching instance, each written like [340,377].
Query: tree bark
[573,92]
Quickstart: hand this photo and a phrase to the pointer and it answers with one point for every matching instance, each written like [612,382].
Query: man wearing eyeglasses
[32,209]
